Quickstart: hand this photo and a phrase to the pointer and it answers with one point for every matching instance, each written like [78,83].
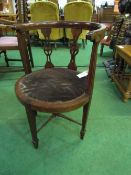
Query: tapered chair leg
[31,115]
[101,49]
[84,120]
[83,43]
[55,45]
[30,54]
[86,41]
[6,58]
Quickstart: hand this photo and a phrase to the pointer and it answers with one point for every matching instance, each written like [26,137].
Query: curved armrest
[97,31]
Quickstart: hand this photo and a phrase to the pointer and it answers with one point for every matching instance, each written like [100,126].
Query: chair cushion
[78,11]
[8,42]
[46,11]
[53,90]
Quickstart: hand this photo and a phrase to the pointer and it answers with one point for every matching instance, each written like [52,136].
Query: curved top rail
[97,30]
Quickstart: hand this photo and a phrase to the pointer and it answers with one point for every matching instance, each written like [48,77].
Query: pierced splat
[74,48]
[47,47]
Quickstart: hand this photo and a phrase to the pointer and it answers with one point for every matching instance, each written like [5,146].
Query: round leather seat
[52,90]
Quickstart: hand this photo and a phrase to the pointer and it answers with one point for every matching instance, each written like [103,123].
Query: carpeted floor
[105,150]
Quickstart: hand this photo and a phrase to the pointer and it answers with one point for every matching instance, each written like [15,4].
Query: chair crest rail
[96,30]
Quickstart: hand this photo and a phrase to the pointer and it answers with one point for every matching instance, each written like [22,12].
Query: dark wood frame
[32,105]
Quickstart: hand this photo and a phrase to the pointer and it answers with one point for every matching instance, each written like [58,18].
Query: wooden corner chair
[56,90]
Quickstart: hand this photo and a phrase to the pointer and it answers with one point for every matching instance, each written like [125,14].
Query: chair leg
[68,43]
[84,119]
[6,58]
[83,43]
[30,54]
[31,115]
[86,41]
[101,50]
[55,45]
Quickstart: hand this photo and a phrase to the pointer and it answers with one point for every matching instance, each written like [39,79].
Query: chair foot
[125,98]
[101,49]
[6,58]
[82,134]
[84,119]
[35,143]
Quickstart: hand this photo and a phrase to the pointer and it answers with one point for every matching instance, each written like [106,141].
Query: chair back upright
[78,11]
[46,11]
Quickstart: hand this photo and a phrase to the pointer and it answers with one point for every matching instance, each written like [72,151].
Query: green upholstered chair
[84,9]
[46,11]
[54,1]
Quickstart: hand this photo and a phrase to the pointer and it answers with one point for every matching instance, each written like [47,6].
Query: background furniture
[57,90]
[1,5]
[6,6]
[106,14]
[10,42]
[106,40]
[78,0]
[85,10]
[122,71]
[7,16]
[46,11]
[116,6]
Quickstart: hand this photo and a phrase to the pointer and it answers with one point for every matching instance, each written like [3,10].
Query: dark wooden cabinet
[1,6]
[106,14]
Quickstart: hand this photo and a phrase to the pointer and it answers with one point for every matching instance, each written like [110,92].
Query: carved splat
[74,48]
[47,47]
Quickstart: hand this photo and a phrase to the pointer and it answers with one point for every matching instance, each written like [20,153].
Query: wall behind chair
[62,3]
[98,3]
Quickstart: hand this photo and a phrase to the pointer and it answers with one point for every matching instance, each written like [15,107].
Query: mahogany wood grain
[56,90]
